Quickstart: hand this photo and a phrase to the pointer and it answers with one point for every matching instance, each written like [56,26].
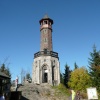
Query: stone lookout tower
[46,67]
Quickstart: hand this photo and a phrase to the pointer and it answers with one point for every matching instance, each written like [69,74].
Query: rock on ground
[32,91]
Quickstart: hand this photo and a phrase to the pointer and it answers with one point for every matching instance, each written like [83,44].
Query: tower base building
[46,66]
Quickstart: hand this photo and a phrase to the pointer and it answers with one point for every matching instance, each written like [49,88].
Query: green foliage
[75,66]
[2,69]
[28,76]
[83,95]
[5,70]
[66,75]
[94,68]
[79,79]
[62,89]
[61,78]
[99,95]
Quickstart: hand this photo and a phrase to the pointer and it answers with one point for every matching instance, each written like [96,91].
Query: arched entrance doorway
[44,74]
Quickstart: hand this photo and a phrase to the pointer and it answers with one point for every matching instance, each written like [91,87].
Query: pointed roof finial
[46,16]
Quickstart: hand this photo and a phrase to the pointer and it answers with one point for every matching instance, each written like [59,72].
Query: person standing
[1,96]
[73,94]
[16,82]
[77,97]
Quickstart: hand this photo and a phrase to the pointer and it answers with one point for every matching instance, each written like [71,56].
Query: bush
[83,95]
[62,89]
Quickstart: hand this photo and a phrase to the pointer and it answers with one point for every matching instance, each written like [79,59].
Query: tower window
[45,31]
[41,23]
[45,22]
[50,23]
[45,40]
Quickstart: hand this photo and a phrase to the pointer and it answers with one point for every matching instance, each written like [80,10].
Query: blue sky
[76,29]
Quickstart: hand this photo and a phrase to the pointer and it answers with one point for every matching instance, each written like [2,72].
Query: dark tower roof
[46,18]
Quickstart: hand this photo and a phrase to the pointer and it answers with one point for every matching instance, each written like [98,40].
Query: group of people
[75,95]
[4,95]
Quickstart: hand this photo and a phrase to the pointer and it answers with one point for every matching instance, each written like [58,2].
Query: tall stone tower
[46,67]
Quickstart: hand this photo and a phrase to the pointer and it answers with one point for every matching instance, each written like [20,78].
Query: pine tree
[28,76]
[94,68]
[5,70]
[66,75]
[2,69]
[75,66]
[61,78]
